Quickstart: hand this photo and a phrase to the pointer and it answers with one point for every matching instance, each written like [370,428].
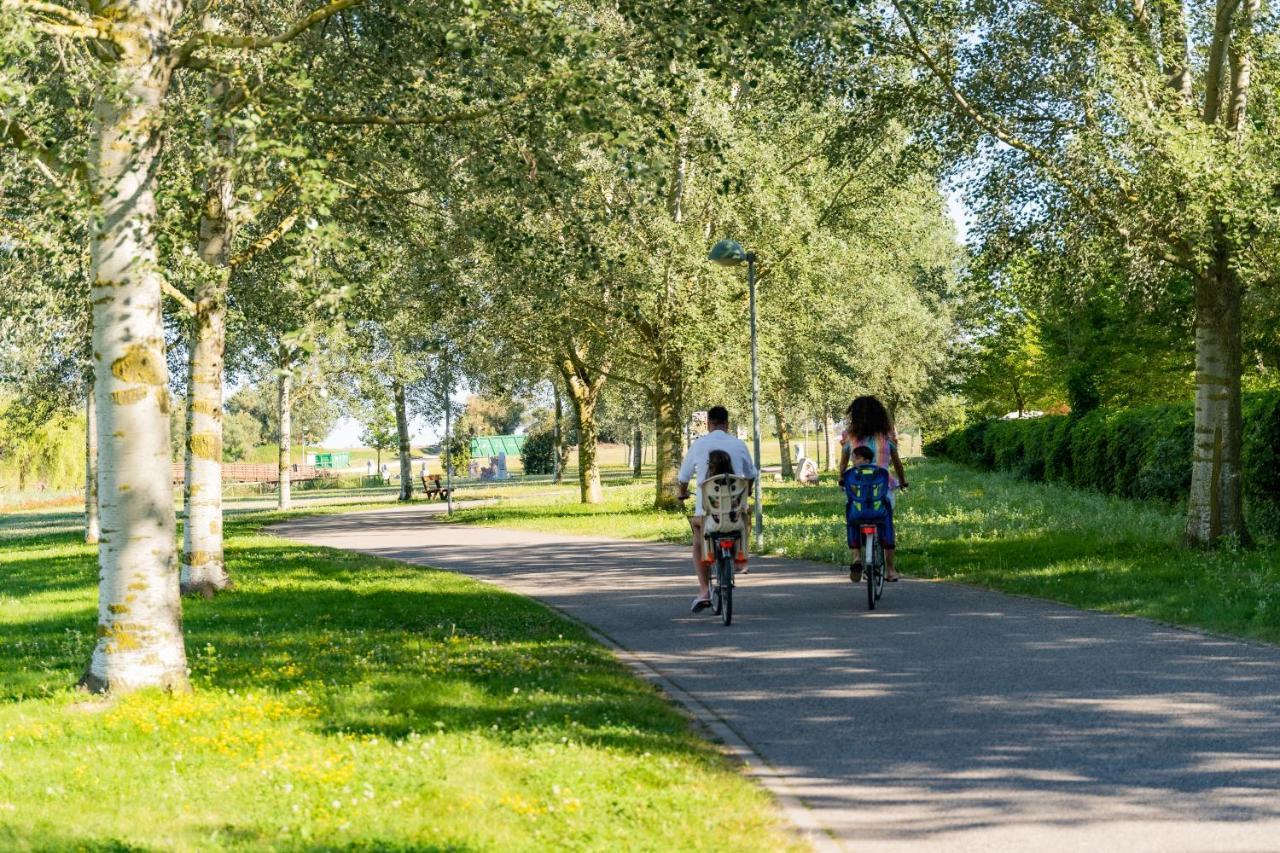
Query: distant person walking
[867,424]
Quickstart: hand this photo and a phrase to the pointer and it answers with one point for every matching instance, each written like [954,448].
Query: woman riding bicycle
[867,424]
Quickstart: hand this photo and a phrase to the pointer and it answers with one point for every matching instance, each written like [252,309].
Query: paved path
[950,719]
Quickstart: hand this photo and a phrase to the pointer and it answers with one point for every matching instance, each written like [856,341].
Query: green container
[337,459]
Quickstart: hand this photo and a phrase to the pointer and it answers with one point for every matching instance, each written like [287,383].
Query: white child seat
[724,503]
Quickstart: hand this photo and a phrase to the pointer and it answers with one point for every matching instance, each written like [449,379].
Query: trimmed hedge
[1142,453]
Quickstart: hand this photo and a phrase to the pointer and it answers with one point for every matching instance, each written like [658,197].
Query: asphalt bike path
[950,718]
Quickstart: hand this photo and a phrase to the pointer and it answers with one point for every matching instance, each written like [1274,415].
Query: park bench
[434,487]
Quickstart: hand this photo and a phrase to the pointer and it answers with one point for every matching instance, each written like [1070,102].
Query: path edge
[793,808]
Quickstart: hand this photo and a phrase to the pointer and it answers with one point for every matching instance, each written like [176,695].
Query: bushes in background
[1135,453]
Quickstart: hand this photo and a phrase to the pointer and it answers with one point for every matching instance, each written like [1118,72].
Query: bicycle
[872,562]
[867,488]
[726,551]
[723,527]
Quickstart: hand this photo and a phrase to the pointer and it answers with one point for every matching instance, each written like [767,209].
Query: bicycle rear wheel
[870,569]
[717,600]
[725,570]
[879,572]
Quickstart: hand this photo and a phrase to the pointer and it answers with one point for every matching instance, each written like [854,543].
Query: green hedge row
[1135,453]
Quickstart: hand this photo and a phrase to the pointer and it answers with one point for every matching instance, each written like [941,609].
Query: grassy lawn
[344,702]
[987,529]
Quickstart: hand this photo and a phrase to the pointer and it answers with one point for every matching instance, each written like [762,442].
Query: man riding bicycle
[717,438]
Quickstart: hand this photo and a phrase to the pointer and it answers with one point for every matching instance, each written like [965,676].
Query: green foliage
[380,430]
[45,456]
[1140,453]
[241,432]
[314,409]
[490,415]
[539,453]
[459,453]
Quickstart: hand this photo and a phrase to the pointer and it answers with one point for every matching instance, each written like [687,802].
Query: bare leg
[704,572]
[890,572]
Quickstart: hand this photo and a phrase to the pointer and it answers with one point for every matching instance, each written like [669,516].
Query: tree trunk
[637,451]
[285,403]
[92,529]
[139,632]
[585,396]
[826,441]
[204,570]
[402,430]
[784,444]
[1216,505]
[561,450]
[668,406]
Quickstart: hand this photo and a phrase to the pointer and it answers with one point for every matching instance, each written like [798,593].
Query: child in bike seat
[724,503]
[867,499]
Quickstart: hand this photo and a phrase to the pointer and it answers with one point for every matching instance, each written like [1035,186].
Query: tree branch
[997,129]
[443,118]
[178,296]
[13,135]
[1216,59]
[74,24]
[212,39]
[266,241]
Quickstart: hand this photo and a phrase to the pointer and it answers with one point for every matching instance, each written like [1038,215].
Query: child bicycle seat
[867,488]
[723,503]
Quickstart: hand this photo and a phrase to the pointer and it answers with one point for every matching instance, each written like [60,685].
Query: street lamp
[729,253]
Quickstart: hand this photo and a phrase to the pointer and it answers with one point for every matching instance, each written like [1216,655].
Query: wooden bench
[433,487]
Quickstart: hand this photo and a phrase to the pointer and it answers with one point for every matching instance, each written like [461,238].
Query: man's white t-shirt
[717,439]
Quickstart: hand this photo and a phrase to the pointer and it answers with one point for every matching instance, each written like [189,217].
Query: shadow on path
[951,718]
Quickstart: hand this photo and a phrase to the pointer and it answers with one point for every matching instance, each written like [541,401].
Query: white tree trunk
[203,566]
[92,529]
[139,634]
[1216,505]
[285,403]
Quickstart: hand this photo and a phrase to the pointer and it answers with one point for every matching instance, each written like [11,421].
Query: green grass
[344,702]
[987,529]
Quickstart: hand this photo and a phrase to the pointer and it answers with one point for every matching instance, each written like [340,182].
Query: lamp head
[727,253]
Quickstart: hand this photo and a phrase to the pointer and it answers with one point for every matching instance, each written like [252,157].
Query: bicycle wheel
[725,570]
[869,567]
[879,572]
[717,599]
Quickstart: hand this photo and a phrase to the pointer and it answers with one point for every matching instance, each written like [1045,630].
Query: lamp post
[448,437]
[729,253]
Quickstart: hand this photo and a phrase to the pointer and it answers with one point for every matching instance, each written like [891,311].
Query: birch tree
[1140,119]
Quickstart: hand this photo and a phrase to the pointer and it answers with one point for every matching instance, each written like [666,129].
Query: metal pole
[448,468]
[755,400]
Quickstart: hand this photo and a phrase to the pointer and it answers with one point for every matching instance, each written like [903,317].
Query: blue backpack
[867,488]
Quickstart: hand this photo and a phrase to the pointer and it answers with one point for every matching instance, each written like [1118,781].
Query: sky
[346,434]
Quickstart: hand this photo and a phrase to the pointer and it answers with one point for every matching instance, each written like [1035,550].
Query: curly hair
[867,416]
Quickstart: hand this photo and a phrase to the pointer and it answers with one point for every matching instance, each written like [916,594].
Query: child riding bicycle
[868,426]
[867,502]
